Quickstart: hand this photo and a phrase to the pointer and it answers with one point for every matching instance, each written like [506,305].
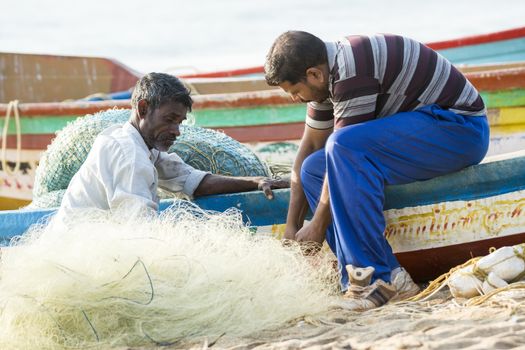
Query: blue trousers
[359,160]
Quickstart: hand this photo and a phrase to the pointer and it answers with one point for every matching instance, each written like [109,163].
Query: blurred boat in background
[50,78]
[53,78]
[498,47]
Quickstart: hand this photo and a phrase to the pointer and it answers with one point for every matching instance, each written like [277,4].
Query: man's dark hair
[158,88]
[291,54]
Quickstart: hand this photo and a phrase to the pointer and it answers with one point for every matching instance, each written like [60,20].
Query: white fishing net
[153,280]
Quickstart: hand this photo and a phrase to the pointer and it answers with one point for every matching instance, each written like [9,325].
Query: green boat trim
[255,116]
[504,98]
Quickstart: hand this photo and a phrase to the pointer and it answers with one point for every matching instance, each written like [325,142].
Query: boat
[431,225]
[246,115]
[267,120]
[248,110]
[50,78]
[496,47]
[54,78]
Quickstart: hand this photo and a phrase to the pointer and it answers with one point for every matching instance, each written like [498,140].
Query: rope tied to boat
[13,108]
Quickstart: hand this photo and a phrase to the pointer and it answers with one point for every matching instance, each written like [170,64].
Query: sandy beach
[440,323]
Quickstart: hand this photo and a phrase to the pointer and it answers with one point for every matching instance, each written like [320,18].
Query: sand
[441,323]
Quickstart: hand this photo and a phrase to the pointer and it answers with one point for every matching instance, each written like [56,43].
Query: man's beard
[319,94]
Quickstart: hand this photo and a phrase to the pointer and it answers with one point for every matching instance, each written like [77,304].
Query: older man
[383,110]
[127,162]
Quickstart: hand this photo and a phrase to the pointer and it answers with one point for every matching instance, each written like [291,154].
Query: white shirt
[120,168]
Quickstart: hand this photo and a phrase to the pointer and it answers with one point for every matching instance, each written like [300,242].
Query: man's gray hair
[158,88]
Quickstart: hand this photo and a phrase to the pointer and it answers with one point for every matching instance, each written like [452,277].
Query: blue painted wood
[497,52]
[475,182]
[256,209]
[16,222]
[478,181]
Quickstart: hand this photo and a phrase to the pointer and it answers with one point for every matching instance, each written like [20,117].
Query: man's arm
[313,140]
[316,229]
[177,176]
[216,184]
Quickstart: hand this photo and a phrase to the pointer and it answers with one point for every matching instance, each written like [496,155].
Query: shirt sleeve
[128,180]
[320,115]
[177,176]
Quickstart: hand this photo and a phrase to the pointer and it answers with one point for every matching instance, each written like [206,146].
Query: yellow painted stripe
[7,203]
[507,116]
[510,129]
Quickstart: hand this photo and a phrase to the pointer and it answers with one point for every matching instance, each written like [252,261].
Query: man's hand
[311,239]
[289,232]
[308,248]
[266,185]
[218,184]
[310,233]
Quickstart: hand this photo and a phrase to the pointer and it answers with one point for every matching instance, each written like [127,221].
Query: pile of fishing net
[201,148]
[148,281]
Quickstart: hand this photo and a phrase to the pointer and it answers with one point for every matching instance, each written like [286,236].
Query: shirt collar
[331,52]
[134,133]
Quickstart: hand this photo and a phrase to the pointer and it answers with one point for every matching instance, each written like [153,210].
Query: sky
[204,35]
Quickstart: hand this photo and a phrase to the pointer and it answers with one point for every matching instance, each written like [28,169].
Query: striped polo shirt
[380,75]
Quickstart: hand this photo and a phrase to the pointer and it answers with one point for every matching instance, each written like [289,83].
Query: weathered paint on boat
[505,46]
[258,116]
[431,225]
[498,79]
[241,126]
[505,76]
[46,78]
[227,85]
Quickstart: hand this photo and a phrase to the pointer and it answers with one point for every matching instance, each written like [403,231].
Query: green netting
[203,149]
[70,148]
[216,152]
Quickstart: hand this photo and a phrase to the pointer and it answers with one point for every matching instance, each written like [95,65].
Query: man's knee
[313,166]
[349,138]
[308,166]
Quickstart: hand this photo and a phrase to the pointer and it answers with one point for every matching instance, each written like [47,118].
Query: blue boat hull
[493,191]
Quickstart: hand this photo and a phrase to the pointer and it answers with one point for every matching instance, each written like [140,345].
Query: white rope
[12,107]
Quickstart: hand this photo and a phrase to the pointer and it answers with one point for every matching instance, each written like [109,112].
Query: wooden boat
[259,116]
[248,116]
[49,78]
[503,89]
[52,78]
[497,47]
[431,225]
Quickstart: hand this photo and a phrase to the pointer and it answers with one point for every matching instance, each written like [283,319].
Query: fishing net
[201,148]
[149,281]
